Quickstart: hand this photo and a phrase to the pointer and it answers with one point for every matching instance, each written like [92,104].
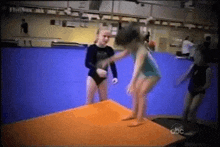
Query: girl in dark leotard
[97,77]
[200,79]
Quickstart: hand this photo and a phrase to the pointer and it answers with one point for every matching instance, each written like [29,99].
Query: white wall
[168,13]
[106,6]
[56,4]
[163,2]
[171,10]
[42,3]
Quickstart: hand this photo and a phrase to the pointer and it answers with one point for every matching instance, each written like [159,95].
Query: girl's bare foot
[129,117]
[137,123]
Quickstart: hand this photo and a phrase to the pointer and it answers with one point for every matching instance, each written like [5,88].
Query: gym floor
[40,81]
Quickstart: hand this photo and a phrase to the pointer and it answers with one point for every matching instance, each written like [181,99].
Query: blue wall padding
[40,81]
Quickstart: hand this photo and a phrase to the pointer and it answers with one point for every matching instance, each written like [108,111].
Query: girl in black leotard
[97,77]
[200,79]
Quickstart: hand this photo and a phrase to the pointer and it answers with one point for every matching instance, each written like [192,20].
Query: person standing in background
[24,31]
[186,47]
[192,50]
[207,41]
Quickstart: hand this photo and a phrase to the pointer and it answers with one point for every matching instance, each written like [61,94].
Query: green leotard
[150,67]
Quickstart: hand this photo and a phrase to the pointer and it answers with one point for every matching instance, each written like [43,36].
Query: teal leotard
[150,67]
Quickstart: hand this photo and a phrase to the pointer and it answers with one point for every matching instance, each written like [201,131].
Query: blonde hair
[100,29]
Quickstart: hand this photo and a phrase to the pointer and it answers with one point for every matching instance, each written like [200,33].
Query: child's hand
[101,72]
[115,81]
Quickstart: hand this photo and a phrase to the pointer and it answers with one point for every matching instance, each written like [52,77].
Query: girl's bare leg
[194,106]
[133,115]
[192,110]
[146,86]
[91,88]
[188,101]
[102,90]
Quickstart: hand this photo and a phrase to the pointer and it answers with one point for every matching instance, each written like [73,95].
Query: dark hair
[204,51]
[187,37]
[208,38]
[127,34]
[23,19]
[207,41]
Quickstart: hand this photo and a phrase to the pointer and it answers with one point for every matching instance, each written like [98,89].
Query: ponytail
[96,41]
[97,33]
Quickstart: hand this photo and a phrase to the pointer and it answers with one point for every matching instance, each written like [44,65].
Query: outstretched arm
[119,56]
[185,75]
[114,58]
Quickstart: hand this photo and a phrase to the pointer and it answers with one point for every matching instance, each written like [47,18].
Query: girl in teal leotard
[149,67]
[146,71]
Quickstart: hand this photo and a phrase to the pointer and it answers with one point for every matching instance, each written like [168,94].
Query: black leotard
[93,56]
[198,79]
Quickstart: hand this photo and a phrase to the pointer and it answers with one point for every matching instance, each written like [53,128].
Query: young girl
[146,72]
[97,76]
[200,79]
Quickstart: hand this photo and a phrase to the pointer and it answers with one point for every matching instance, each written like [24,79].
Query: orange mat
[96,124]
